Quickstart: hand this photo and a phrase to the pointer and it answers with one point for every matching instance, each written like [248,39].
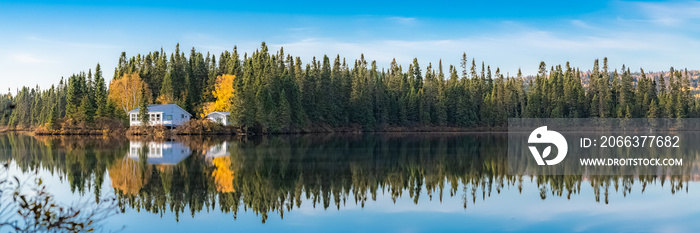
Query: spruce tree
[167,94]
[284,117]
[53,119]
[86,110]
[653,110]
[100,93]
[144,116]
[74,96]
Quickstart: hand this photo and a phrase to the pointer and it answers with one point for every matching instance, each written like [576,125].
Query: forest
[274,92]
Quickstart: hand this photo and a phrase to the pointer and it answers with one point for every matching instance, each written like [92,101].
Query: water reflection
[159,152]
[218,150]
[275,174]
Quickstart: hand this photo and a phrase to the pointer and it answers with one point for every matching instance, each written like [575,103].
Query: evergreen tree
[167,94]
[53,120]
[177,72]
[144,116]
[86,110]
[284,115]
[100,93]
[75,94]
[653,110]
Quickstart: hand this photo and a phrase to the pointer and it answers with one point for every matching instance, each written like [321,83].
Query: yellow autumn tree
[223,176]
[223,91]
[126,91]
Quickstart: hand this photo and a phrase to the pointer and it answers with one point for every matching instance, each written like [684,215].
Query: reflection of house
[218,150]
[161,114]
[218,117]
[159,152]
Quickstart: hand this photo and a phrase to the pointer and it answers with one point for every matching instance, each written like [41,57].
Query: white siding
[171,116]
[218,118]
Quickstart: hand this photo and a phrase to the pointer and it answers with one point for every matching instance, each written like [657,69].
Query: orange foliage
[223,176]
[126,91]
[207,108]
[165,99]
[223,91]
[127,176]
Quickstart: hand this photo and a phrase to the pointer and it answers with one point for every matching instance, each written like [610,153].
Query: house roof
[160,108]
[222,113]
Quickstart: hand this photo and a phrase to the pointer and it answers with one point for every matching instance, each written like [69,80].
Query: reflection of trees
[275,174]
[175,188]
[223,176]
[31,207]
[127,175]
[80,160]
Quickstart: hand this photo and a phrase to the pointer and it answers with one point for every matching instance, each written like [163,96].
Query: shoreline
[173,132]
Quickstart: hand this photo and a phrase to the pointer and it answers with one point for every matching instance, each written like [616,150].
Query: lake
[394,182]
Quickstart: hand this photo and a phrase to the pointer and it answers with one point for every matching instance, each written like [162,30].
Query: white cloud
[300,29]
[76,44]
[26,58]
[581,24]
[674,14]
[403,20]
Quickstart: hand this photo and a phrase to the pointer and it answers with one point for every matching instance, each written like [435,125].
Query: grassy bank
[206,127]
[112,127]
[101,126]
[192,127]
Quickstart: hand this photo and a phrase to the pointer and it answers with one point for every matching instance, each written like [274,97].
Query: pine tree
[100,93]
[74,95]
[653,110]
[178,75]
[680,108]
[87,110]
[196,78]
[284,116]
[167,94]
[266,106]
[144,116]
[53,120]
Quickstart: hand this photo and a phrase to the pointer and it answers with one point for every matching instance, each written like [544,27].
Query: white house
[169,115]
[218,150]
[219,117]
[159,152]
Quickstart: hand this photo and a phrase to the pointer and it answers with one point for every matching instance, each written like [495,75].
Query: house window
[133,117]
[157,117]
[182,115]
[152,117]
[169,117]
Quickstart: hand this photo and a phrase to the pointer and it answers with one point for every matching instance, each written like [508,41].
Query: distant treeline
[82,98]
[276,92]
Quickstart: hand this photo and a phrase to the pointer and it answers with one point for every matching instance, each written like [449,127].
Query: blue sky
[40,41]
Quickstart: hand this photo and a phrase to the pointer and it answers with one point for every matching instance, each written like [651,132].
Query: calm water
[342,183]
